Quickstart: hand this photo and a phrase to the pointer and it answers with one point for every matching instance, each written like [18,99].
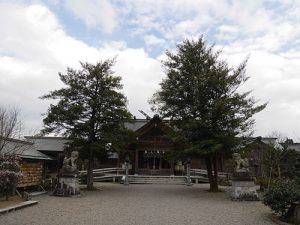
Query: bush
[9,173]
[262,182]
[282,197]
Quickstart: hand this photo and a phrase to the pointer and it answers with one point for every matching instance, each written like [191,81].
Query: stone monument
[243,186]
[67,178]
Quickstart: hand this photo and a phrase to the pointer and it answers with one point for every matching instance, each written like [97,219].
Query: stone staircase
[146,179]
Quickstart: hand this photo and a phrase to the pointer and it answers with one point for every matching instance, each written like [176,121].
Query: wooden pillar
[136,161]
[172,167]
[148,167]
[221,163]
[160,163]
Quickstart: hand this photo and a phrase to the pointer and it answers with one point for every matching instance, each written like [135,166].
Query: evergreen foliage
[282,197]
[200,96]
[90,110]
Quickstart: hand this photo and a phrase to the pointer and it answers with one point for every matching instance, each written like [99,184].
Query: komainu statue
[70,164]
[243,186]
[241,165]
[68,176]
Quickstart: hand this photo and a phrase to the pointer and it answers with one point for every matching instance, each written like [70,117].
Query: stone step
[143,178]
[177,183]
[161,181]
[37,193]
[146,180]
[17,206]
[157,179]
[142,182]
[158,176]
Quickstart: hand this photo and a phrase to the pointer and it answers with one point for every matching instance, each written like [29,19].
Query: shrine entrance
[153,147]
[153,162]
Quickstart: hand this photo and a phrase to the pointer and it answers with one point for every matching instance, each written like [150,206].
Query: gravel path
[115,204]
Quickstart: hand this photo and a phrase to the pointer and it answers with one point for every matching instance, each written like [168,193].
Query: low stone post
[126,170]
[297,214]
[188,171]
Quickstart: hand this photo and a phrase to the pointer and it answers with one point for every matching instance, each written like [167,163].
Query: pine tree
[200,96]
[90,110]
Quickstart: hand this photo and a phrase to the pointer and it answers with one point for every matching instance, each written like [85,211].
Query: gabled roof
[34,154]
[265,140]
[136,124]
[294,146]
[153,123]
[48,144]
[25,150]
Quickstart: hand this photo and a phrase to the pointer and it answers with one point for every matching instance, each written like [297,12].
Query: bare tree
[278,161]
[10,129]
[10,149]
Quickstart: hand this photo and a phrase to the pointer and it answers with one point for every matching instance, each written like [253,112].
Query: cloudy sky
[38,39]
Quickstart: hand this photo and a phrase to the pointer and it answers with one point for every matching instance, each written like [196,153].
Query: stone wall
[32,173]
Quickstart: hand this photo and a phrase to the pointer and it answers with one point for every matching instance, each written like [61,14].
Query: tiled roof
[295,146]
[53,144]
[24,149]
[134,125]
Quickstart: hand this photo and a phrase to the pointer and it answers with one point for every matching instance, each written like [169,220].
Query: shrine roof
[294,146]
[24,149]
[48,144]
[136,124]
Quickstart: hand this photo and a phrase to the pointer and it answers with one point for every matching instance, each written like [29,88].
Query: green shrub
[282,196]
[262,182]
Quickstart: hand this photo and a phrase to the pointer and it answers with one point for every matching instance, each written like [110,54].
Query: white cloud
[227,32]
[34,47]
[114,45]
[140,73]
[94,13]
[251,21]
[189,27]
[275,79]
[153,40]
[228,29]
[44,49]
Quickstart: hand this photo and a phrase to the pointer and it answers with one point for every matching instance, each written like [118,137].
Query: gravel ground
[141,205]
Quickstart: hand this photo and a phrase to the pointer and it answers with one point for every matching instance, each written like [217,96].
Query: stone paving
[115,204]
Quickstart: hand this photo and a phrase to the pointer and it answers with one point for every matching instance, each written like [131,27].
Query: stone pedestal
[243,188]
[297,214]
[67,185]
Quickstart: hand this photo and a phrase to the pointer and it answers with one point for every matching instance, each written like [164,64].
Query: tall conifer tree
[90,110]
[200,95]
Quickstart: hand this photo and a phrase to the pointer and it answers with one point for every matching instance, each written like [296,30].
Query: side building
[150,154]
[53,147]
[294,146]
[32,163]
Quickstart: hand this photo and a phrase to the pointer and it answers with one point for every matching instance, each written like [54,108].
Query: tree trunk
[14,186]
[118,163]
[90,168]
[270,177]
[215,164]
[212,181]
[91,140]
